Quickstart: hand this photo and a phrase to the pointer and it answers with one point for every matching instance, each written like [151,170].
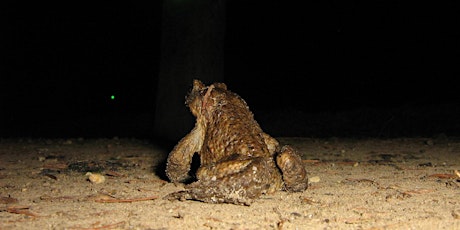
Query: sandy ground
[354,184]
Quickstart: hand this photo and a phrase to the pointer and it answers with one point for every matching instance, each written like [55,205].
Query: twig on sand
[129,200]
[24,210]
[443,176]
[109,226]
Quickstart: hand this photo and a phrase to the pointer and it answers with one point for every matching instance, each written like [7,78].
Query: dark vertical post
[192,46]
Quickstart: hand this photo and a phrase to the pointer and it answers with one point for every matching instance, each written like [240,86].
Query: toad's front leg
[180,158]
[235,181]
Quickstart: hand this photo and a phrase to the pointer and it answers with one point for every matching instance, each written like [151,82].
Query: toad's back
[231,130]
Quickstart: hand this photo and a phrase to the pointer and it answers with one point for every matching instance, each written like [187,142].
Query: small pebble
[429,142]
[67,142]
[95,178]
[314,179]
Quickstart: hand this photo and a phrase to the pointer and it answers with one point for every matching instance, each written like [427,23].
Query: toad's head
[202,98]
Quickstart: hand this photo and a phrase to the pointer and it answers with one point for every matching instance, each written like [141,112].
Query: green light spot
[112,97]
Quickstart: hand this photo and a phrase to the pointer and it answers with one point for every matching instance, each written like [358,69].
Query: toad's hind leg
[239,182]
[294,173]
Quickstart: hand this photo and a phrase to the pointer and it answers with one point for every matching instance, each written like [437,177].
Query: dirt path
[354,184]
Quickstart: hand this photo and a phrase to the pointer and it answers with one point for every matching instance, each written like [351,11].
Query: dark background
[317,69]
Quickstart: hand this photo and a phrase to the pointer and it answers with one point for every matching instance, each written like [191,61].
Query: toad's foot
[294,173]
[205,196]
[180,195]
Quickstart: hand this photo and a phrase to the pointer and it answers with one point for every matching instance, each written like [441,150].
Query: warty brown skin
[237,159]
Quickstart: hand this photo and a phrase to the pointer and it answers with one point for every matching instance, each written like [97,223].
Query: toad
[238,161]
